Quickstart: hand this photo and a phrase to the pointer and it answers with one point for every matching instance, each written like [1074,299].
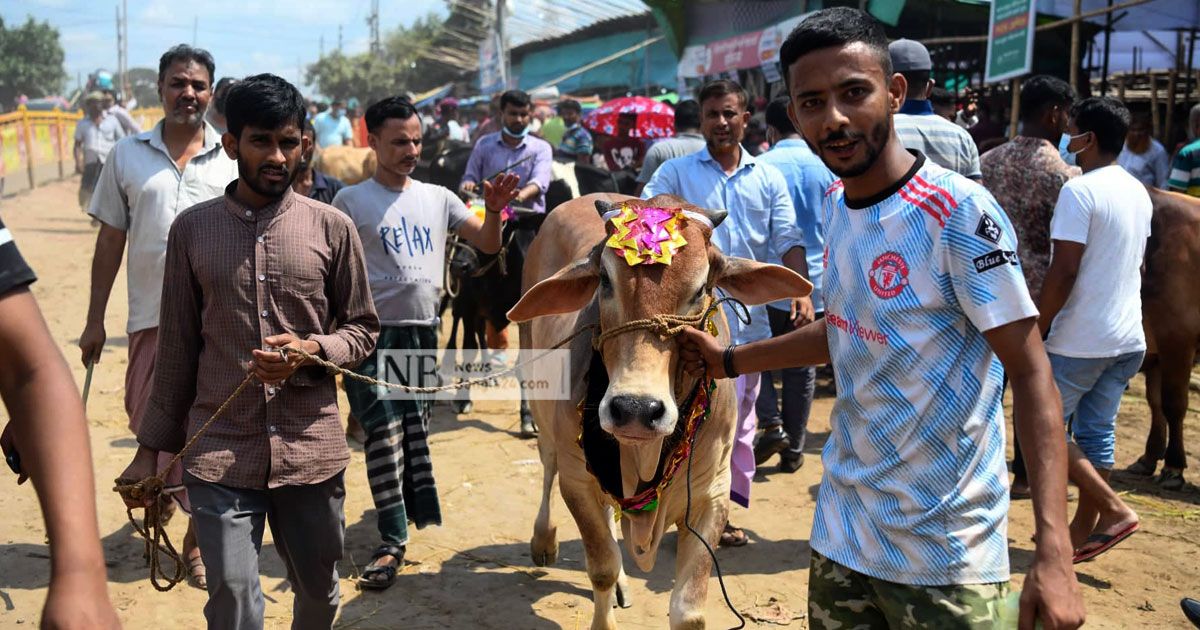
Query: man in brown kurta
[249,272]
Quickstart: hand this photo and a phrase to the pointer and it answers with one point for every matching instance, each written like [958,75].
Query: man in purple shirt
[512,150]
[499,151]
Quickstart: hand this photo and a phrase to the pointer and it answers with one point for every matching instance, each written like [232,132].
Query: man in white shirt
[146,181]
[1144,157]
[1091,304]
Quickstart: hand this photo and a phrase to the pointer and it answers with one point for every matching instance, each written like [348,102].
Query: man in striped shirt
[917,126]
[1185,171]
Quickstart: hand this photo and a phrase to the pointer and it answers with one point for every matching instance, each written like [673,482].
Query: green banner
[1010,39]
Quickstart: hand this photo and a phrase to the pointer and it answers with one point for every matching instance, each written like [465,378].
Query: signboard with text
[1010,39]
[741,52]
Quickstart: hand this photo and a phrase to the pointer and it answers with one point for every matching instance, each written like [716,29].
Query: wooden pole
[59,143]
[1075,46]
[1166,139]
[1016,108]
[27,132]
[1154,121]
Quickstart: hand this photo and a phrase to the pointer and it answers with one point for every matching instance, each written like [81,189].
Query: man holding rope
[926,307]
[403,225]
[146,181]
[249,274]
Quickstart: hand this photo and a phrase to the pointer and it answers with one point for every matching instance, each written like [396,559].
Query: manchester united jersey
[915,485]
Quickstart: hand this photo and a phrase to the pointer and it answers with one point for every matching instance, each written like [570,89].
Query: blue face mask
[524,132]
[1067,156]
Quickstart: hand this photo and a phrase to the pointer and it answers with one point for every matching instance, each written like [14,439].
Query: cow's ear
[566,291]
[757,283]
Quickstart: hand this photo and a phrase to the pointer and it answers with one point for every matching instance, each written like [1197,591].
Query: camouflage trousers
[840,598]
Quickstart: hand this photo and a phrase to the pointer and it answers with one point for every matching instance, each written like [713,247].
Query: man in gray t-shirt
[403,225]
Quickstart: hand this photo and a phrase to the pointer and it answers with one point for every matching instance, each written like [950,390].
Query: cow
[1171,316]
[349,164]
[639,395]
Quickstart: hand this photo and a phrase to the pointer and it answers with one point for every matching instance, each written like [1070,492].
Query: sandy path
[475,571]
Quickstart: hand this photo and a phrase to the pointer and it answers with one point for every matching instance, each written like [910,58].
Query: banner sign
[1010,39]
[740,52]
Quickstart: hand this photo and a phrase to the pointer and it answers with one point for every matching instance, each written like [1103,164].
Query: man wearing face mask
[1092,294]
[511,150]
[333,127]
[1025,176]
[253,271]
[146,181]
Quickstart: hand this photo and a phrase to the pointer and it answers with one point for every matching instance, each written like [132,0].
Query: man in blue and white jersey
[925,307]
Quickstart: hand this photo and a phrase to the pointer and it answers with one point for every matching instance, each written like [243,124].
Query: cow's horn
[716,215]
[603,207]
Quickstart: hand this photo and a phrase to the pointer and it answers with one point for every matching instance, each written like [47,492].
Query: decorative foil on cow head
[672,271]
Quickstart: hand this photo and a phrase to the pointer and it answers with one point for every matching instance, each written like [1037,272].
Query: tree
[31,62]
[370,77]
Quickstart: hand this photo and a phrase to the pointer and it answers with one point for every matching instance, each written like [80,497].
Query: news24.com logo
[539,374]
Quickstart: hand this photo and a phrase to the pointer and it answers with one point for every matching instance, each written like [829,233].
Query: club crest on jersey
[888,275]
[988,229]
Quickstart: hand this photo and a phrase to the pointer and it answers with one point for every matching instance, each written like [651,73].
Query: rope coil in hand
[152,527]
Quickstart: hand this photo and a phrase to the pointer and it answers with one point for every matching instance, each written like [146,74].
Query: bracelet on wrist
[727,362]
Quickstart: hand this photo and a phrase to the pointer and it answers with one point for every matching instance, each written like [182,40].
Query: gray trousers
[307,524]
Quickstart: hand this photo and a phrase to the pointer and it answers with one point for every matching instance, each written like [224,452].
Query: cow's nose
[626,409]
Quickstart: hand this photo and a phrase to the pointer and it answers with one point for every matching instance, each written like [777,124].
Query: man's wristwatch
[727,361]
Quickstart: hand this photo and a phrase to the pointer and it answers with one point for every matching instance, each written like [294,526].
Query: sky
[244,36]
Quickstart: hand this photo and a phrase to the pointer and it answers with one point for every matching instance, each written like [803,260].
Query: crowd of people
[943,274]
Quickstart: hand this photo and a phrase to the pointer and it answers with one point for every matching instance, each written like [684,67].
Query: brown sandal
[733,537]
[197,573]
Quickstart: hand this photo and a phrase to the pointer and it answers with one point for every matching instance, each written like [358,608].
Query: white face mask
[1071,139]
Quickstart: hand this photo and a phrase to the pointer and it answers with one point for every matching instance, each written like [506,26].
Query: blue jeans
[799,385]
[1091,395]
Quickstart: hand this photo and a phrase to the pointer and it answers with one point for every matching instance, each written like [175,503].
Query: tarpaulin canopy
[1158,15]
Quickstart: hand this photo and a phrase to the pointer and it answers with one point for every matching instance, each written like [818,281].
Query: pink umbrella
[655,119]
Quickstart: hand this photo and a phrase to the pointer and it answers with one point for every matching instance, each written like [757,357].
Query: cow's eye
[699,295]
[605,283]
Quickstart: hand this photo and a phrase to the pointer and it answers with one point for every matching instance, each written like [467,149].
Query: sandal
[1104,542]
[368,578]
[733,537]
[197,573]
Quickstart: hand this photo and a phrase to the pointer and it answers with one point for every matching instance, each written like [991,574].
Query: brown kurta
[234,276]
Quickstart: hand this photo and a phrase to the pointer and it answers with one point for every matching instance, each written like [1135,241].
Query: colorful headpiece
[648,235]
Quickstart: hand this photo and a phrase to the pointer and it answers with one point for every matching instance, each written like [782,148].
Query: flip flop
[1106,542]
[197,573]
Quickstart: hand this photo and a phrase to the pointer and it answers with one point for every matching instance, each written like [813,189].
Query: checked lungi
[399,469]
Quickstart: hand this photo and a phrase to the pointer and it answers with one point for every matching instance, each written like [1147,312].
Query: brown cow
[1171,314]
[572,280]
[349,164]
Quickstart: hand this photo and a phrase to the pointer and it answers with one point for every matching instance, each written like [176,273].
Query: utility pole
[121,80]
[502,36]
[322,47]
[339,38]
[373,24]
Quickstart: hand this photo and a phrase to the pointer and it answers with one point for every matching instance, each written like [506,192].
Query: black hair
[570,105]
[307,129]
[836,26]
[390,107]
[264,101]
[724,87]
[1106,117]
[941,96]
[221,93]
[516,98]
[776,116]
[687,115]
[337,101]
[917,81]
[1042,91]
[183,52]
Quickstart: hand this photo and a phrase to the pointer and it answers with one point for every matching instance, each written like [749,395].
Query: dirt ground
[475,571]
